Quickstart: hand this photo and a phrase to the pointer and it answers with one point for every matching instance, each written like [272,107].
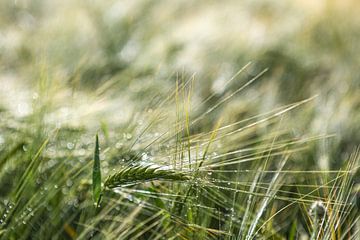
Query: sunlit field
[180,119]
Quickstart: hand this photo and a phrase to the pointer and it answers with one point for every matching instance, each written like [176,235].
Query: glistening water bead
[317,210]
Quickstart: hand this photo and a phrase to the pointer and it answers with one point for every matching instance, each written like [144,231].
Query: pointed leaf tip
[96,174]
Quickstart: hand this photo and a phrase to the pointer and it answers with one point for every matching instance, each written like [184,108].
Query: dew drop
[70,145]
[69,183]
[128,136]
[118,145]
[144,157]
[24,147]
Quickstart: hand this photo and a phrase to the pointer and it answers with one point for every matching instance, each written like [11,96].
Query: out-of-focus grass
[160,82]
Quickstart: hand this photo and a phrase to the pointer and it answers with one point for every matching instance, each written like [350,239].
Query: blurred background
[105,61]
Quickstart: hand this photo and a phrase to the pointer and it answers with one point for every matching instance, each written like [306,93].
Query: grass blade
[96,174]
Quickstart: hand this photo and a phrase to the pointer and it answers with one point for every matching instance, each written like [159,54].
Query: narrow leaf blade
[96,174]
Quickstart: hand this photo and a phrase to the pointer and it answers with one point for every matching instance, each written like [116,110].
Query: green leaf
[97,174]
[292,234]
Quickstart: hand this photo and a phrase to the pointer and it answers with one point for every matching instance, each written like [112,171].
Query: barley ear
[139,174]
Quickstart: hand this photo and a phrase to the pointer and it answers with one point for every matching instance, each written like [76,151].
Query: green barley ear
[140,174]
[96,177]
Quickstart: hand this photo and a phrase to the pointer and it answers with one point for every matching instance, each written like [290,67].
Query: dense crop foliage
[147,120]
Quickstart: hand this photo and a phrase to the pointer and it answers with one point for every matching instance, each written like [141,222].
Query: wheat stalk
[136,174]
